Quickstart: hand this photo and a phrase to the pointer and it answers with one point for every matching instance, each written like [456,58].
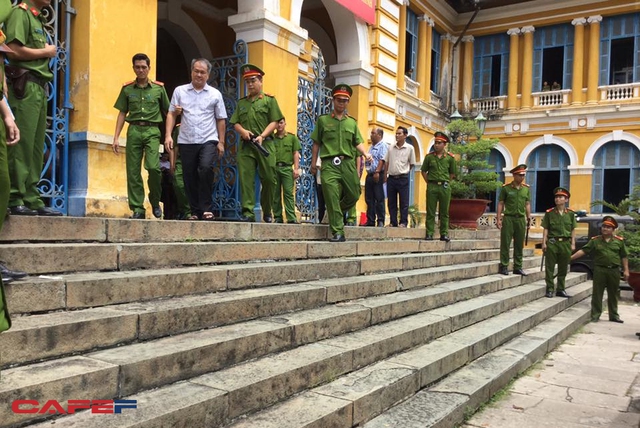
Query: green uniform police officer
[514,203]
[256,116]
[287,148]
[608,252]
[334,137]
[28,75]
[438,168]
[558,241]
[141,103]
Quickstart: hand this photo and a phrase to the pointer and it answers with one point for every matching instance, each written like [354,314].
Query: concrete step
[40,337]
[355,398]
[357,394]
[137,367]
[449,401]
[82,290]
[46,258]
[84,229]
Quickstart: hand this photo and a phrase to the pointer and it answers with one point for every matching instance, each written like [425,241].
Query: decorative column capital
[426,19]
[513,31]
[579,21]
[468,39]
[594,19]
[404,2]
[528,29]
[448,37]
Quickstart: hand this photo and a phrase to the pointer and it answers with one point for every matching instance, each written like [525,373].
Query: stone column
[467,72]
[527,67]
[594,59]
[578,60]
[402,42]
[512,91]
[424,57]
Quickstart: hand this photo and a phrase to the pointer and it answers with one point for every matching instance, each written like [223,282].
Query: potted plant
[475,178]
[630,206]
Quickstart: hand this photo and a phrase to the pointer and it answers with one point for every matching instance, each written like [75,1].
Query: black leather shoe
[562,294]
[138,216]
[445,238]
[278,220]
[48,212]
[350,223]
[337,238]
[11,274]
[267,219]
[157,212]
[503,270]
[293,222]
[519,272]
[246,219]
[428,238]
[381,224]
[22,210]
[619,321]
[6,280]
[549,294]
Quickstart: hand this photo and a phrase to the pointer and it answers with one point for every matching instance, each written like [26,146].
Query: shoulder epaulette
[290,133]
[596,237]
[505,184]
[269,95]
[525,185]
[33,10]
[451,154]
[348,115]
[157,82]
[618,237]
[551,209]
[128,83]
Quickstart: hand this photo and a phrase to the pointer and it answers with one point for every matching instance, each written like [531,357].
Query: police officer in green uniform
[256,116]
[141,103]
[28,75]
[334,137]
[9,135]
[287,156]
[608,252]
[514,203]
[558,240]
[438,168]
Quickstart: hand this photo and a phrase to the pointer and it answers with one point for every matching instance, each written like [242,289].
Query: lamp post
[481,121]
[466,127]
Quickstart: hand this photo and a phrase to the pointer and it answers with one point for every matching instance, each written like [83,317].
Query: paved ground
[591,380]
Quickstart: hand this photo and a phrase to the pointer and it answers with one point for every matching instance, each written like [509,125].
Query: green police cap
[520,169]
[609,221]
[250,70]
[561,191]
[441,137]
[342,90]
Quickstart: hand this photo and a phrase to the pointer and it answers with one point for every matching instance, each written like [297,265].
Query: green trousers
[513,229]
[26,157]
[284,191]
[438,194]
[557,253]
[143,141]
[248,161]
[341,190]
[605,279]
[352,216]
[184,209]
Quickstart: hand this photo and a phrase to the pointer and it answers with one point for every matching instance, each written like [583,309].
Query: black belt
[609,266]
[439,183]
[399,176]
[514,215]
[560,238]
[41,81]
[282,164]
[143,123]
[335,160]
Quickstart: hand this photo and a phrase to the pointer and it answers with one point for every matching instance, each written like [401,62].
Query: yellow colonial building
[558,81]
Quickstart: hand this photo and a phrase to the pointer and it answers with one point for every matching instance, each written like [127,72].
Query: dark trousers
[398,187]
[374,197]
[197,166]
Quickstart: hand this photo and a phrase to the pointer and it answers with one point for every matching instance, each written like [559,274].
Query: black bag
[17,77]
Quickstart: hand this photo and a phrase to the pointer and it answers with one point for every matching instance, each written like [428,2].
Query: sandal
[193,217]
[207,216]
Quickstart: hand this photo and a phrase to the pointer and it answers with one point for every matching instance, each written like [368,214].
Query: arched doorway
[547,170]
[616,169]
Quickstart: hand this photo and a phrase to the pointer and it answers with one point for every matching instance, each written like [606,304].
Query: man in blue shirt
[373,186]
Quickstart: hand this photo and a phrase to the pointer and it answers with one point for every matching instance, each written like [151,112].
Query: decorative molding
[546,140]
[581,170]
[468,39]
[579,21]
[514,32]
[616,135]
[262,25]
[353,73]
[594,19]
[528,29]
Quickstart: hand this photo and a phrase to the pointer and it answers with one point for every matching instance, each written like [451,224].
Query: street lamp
[481,121]
[461,128]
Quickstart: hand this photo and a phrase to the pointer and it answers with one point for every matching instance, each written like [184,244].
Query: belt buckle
[337,161]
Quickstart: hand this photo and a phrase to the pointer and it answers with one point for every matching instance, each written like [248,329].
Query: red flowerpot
[634,282]
[465,213]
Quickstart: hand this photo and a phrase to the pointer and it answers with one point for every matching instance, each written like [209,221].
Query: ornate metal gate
[225,76]
[314,99]
[54,179]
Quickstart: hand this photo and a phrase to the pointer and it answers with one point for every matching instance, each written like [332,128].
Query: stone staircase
[212,324]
